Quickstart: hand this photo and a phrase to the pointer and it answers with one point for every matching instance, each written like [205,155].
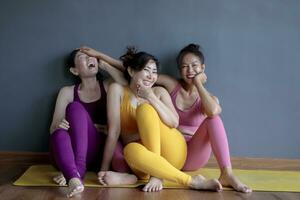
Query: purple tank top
[191,118]
[96,109]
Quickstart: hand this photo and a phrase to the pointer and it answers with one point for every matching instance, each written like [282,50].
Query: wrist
[151,98]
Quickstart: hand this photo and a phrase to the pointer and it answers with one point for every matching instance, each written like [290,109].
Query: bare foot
[154,185]
[60,179]
[200,183]
[116,178]
[75,187]
[228,179]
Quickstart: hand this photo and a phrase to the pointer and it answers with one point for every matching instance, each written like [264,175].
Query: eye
[184,66]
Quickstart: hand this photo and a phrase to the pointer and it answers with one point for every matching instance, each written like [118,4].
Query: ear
[203,67]
[73,70]
[130,71]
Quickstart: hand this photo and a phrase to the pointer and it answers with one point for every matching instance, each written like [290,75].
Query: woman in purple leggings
[79,121]
[198,112]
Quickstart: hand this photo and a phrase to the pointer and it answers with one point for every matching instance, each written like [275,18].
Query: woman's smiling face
[147,76]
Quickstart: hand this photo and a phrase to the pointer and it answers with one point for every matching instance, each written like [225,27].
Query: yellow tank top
[128,114]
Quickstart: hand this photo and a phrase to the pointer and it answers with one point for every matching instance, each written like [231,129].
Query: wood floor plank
[13,164]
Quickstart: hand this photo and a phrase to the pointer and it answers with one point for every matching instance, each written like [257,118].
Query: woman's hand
[200,78]
[90,51]
[101,128]
[144,92]
[64,124]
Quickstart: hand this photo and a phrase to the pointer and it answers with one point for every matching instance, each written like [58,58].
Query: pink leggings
[210,136]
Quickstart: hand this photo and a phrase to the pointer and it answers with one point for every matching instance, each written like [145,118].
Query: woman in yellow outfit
[146,121]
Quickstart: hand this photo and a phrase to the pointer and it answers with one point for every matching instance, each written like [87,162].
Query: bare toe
[154,185]
[60,179]
[117,178]
[200,183]
[75,187]
[230,180]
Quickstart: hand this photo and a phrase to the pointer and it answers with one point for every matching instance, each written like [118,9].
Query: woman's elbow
[175,122]
[214,112]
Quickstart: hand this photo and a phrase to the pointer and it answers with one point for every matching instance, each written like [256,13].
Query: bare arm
[114,94]
[210,103]
[167,82]
[112,61]
[160,99]
[116,74]
[65,96]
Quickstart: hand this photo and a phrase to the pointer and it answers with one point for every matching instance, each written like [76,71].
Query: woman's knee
[132,151]
[145,109]
[59,134]
[215,120]
[75,107]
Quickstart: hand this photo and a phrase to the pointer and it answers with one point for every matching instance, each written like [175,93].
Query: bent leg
[210,135]
[84,137]
[62,153]
[118,161]
[159,138]
[140,158]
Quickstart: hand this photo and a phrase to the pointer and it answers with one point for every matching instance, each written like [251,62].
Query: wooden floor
[13,164]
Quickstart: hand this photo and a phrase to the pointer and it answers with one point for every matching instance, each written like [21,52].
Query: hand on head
[89,51]
[200,78]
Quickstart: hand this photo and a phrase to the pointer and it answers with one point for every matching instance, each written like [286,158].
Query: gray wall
[252,50]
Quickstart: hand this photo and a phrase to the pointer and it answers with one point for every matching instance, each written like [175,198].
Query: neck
[133,88]
[89,83]
[189,88]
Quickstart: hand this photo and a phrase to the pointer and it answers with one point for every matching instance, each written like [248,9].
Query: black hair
[70,62]
[191,48]
[136,60]
[71,58]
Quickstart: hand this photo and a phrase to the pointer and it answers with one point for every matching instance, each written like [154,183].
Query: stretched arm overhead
[114,95]
[116,74]
[112,61]
[167,82]
[65,96]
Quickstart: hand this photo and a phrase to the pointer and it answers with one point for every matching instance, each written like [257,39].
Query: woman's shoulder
[158,90]
[116,88]
[67,91]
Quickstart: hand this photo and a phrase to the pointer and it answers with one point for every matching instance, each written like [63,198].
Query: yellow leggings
[162,151]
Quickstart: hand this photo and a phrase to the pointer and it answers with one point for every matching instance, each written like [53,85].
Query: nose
[190,68]
[150,75]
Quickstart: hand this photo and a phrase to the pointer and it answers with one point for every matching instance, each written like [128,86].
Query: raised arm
[112,61]
[115,91]
[115,74]
[65,96]
[210,103]
[167,82]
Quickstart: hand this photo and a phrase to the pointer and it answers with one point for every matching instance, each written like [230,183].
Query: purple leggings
[80,147]
[211,135]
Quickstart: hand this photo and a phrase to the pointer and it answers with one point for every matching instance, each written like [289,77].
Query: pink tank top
[191,118]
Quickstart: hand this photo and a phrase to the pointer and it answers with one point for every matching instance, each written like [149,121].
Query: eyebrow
[194,62]
[155,69]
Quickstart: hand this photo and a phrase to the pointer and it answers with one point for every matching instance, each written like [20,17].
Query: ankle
[226,171]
